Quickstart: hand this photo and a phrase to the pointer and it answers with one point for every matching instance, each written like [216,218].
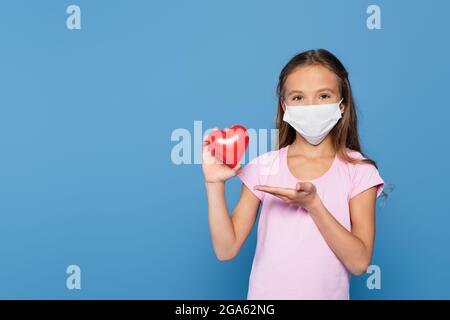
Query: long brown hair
[345,132]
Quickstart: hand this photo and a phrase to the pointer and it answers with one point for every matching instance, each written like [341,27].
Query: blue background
[86,118]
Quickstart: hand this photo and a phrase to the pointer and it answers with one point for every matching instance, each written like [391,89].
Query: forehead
[310,79]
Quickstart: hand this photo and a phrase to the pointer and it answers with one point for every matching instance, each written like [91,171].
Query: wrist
[212,184]
[315,205]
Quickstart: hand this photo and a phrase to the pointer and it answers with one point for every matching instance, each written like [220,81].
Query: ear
[342,107]
[283,106]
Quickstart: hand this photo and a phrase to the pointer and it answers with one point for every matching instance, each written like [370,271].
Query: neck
[301,147]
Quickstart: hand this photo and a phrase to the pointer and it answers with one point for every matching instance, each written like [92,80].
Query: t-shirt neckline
[323,176]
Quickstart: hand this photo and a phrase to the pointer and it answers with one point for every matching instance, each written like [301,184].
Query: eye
[295,98]
[326,96]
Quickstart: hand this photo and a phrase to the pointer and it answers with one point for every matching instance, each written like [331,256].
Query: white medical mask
[313,121]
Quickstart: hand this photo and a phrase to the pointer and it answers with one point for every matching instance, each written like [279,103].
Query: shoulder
[267,157]
[354,154]
[265,164]
[358,156]
[360,168]
[363,175]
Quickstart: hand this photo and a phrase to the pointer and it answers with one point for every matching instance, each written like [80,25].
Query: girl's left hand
[304,194]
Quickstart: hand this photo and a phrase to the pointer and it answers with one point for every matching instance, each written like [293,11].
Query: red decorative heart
[229,145]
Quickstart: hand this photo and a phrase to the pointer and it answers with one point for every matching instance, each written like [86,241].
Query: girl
[317,190]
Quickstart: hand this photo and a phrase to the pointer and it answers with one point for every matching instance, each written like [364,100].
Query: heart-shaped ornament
[229,145]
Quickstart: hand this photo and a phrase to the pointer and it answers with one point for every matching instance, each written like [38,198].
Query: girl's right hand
[213,169]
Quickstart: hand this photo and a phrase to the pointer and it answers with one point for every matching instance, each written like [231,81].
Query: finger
[282,197]
[206,147]
[305,187]
[237,168]
[210,131]
[207,138]
[285,199]
[208,159]
[277,193]
[207,156]
[276,190]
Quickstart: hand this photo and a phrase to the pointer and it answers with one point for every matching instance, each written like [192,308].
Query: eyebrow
[320,90]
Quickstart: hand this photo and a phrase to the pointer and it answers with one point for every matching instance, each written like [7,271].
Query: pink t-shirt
[292,259]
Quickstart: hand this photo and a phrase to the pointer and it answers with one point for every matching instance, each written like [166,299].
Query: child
[317,190]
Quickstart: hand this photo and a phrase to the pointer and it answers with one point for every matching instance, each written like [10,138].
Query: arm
[228,233]
[353,248]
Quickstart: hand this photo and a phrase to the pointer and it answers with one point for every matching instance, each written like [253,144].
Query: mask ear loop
[339,104]
[284,103]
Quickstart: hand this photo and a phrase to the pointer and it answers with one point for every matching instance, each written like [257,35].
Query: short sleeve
[365,176]
[249,175]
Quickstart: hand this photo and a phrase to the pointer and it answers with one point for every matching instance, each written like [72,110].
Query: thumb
[303,186]
[237,169]
[306,187]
